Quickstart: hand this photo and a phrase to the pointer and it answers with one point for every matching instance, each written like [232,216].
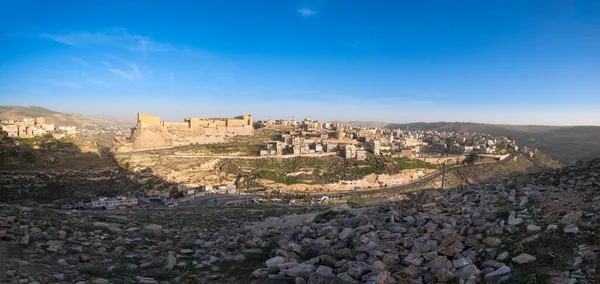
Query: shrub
[29,156]
[356,201]
[329,215]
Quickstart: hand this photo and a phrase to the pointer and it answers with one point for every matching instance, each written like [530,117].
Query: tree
[29,156]
[471,158]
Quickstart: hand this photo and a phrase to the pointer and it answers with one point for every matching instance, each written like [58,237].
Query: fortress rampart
[151,133]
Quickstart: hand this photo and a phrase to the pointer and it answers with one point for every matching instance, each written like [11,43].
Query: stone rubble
[458,235]
[528,229]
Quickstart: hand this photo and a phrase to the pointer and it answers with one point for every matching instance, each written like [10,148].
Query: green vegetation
[105,139]
[320,170]
[356,201]
[501,147]
[278,177]
[406,163]
[544,161]
[329,215]
[239,271]
[244,149]
[48,141]
[29,156]
[520,165]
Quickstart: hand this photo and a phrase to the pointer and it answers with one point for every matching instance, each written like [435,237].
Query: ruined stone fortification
[152,133]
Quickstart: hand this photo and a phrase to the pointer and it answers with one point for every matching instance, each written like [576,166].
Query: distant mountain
[6,112]
[118,121]
[370,124]
[63,119]
[54,117]
[562,143]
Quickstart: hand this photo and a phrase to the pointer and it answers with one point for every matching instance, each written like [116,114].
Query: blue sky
[518,62]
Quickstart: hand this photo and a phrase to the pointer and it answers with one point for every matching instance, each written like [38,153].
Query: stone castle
[152,133]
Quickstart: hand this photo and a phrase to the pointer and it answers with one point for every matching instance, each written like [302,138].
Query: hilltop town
[232,200]
[300,142]
[315,137]
[200,154]
[312,137]
[31,127]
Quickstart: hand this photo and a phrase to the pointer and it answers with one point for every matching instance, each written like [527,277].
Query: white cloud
[97,82]
[136,71]
[77,60]
[68,84]
[172,76]
[307,12]
[133,75]
[115,36]
[122,73]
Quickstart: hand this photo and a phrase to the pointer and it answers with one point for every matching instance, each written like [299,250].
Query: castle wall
[151,133]
[176,124]
[161,137]
[235,122]
[218,123]
[196,123]
[145,120]
[246,118]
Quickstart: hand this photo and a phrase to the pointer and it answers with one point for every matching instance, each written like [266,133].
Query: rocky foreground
[524,229]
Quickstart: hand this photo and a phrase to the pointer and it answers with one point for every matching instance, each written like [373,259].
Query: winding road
[209,200]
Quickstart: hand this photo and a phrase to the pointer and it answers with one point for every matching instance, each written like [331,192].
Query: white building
[113,202]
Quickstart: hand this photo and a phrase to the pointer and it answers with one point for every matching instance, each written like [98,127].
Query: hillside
[562,143]
[52,117]
[111,120]
[64,119]
[370,124]
[533,228]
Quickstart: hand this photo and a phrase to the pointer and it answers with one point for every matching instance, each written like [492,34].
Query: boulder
[467,271]
[523,258]
[492,241]
[571,229]
[275,261]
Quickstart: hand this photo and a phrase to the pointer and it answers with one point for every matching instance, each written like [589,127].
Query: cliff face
[164,137]
[71,173]
[520,165]
[538,228]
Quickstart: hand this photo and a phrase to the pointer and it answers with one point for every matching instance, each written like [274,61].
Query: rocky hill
[67,170]
[519,165]
[539,228]
[370,124]
[51,117]
[63,119]
[562,143]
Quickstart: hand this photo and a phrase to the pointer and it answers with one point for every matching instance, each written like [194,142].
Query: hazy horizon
[497,62]
[133,117]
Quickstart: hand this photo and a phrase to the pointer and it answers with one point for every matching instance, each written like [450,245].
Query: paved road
[209,200]
[138,152]
[249,157]
[223,199]
[418,182]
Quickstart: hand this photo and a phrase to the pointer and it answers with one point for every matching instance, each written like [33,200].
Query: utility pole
[443,174]
[239,189]
[247,187]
